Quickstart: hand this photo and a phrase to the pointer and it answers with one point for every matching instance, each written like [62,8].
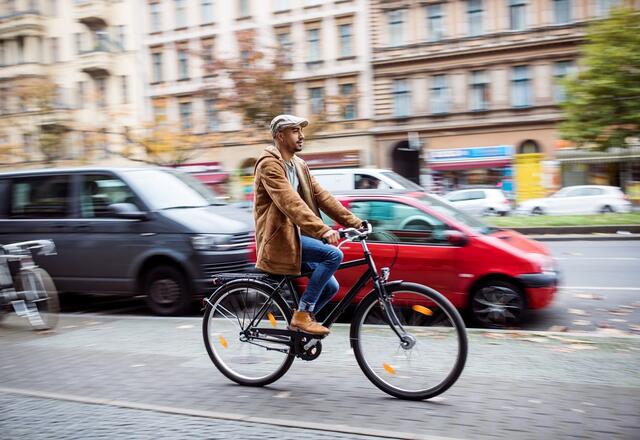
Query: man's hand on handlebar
[332,237]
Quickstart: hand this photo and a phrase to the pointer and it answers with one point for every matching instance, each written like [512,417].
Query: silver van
[130,231]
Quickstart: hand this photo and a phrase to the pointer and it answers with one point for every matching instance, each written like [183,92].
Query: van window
[364,181]
[100,191]
[399,222]
[40,197]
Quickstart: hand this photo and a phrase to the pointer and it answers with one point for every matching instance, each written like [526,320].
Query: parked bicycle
[27,288]
[408,339]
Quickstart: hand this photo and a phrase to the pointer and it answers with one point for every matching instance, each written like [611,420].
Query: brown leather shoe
[303,321]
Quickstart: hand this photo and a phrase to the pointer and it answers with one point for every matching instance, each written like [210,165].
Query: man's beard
[299,147]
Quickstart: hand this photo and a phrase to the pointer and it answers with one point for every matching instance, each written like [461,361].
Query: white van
[347,179]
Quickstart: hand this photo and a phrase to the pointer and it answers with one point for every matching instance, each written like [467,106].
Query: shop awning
[469,165]
[600,159]
[211,178]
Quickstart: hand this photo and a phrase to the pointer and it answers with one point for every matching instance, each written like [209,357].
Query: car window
[40,197]
[399,222]
[99,191]
[592,192]
[475,195]
[364,181]
[575,192]
[457,196]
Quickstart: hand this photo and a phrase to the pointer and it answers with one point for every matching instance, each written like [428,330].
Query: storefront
[453,169]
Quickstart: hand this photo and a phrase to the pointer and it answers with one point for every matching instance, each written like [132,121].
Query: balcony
[27,23]
[97,62]
[23,69]
[92,13]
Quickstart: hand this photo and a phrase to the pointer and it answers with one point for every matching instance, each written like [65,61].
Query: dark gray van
[153,231]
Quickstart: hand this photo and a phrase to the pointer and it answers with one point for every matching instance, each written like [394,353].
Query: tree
[602,104]
[161,144]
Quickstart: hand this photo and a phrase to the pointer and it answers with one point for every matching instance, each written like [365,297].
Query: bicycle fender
[267,287]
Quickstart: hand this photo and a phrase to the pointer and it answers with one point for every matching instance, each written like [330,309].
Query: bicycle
[27,288]
[407,338]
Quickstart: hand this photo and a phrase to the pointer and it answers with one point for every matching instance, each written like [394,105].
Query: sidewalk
[153,376]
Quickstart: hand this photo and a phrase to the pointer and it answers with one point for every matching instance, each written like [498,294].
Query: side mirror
[456,237]
[128,211]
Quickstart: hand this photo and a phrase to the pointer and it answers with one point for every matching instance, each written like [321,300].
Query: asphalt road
[600,288]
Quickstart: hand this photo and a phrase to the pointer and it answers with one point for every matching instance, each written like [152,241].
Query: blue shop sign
[475,153]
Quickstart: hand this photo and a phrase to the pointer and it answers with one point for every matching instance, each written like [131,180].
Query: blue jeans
[324,260]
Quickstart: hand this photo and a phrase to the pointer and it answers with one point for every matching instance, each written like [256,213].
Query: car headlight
[211,242]
[545,262]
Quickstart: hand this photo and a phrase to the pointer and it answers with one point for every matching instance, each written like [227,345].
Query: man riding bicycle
[289,230]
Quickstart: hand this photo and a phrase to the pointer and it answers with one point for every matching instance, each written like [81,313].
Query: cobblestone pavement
[21,417]
[516,385]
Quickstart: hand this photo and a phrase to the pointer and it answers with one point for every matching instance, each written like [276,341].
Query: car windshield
[170,189]
[444,207]
[406,183]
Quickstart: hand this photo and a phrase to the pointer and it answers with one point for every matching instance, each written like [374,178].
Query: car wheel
[489,212]
[537,211]
[606,209]
[166,291]
[497,304]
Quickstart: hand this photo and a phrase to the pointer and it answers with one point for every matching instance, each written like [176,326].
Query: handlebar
[353,234]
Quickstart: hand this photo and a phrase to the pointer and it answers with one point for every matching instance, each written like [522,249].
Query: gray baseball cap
[283,121]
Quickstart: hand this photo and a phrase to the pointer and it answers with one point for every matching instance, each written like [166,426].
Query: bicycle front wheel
[427,354]
[240,351]
[40,297]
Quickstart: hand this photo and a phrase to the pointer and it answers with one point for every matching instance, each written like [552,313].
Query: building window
[102,40]
[160,110]
[101,89]
[560,70]
[157,67]
[313,45]
[207,11]
[185,116]
[77,41]
[183,64]
[439,94]
[285,46]
[604,6]
[2,53]
[282,5]
[561,11]
[317,100]
[401,98]
[474,14]
[81,94]
[346,37]
[208,56]
[435,22]
[347,93]
[125,89]
[213,124]
[395,21]
[181,14]
[244,9]
[517,17]
[121,37]
[479,98]
[156,18]
[520,87]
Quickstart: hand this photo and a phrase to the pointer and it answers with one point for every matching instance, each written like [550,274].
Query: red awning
[211,178]
[468,165]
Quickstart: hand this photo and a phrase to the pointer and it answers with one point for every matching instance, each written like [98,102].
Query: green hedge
[632,218]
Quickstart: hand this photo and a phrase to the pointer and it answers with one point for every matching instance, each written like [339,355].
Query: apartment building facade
[467,91]
[324,41]
[87,51]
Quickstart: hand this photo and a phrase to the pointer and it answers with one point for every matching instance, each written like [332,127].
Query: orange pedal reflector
[389,368]
[422,309]
[223,341]
[272,319]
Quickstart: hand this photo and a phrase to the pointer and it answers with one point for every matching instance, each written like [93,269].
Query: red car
[494,273]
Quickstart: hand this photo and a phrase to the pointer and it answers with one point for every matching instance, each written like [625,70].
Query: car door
[105,247]
[409,240]
[39,207]
[460,199]
[476,202]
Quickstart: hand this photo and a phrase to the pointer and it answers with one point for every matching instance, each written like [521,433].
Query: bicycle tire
[410,298]
[218,348]
[47,304]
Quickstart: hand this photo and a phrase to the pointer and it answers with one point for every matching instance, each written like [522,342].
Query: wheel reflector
[223,341]
[272,319]
[422,309]
[389,368]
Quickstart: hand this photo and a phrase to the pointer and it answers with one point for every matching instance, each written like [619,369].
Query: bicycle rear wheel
[40,297]
[233,346]
[432,353]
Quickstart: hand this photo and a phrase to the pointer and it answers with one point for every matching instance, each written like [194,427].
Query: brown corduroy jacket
[281,213]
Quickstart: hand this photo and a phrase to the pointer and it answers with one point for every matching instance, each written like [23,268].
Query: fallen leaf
[570,340]
[558,328]
[581,322]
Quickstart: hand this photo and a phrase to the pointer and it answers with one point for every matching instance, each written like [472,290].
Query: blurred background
[449,94]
